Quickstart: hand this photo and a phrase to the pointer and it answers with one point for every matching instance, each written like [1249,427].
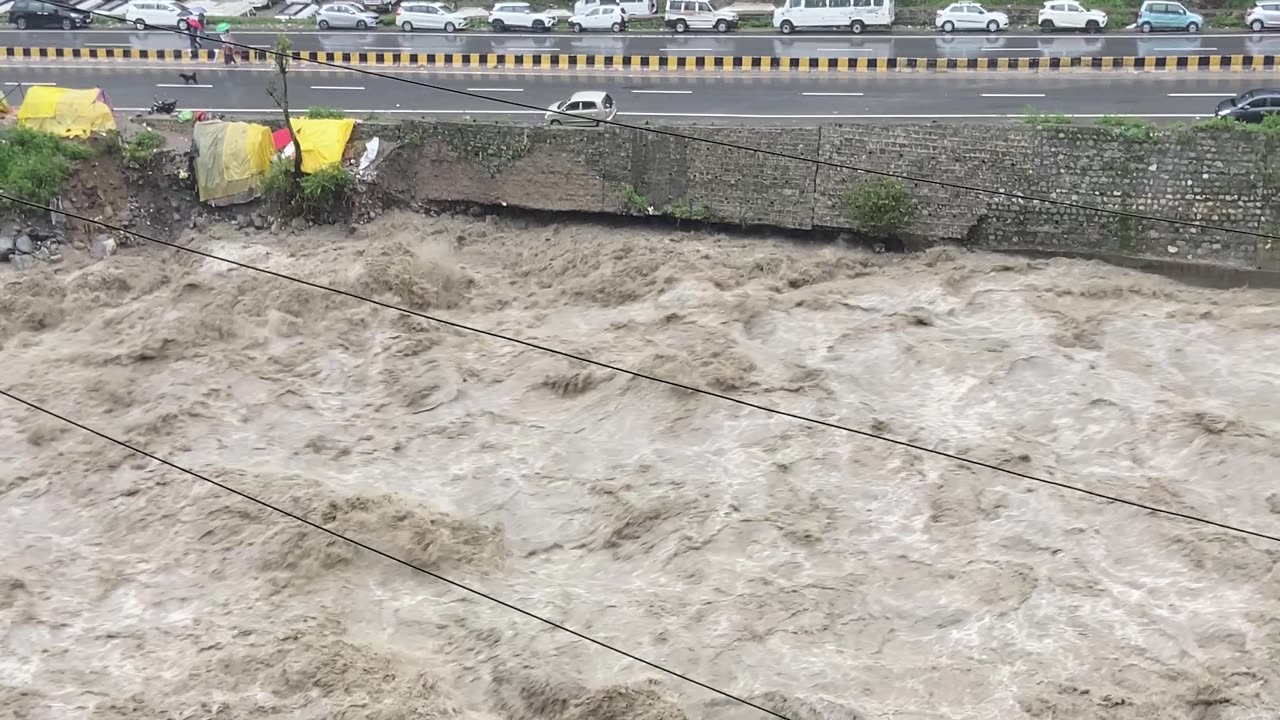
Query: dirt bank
[826,576]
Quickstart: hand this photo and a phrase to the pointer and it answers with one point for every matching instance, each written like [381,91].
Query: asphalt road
[728,99]
[744,44]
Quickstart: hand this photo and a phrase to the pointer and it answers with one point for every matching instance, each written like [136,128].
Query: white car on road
[969,16]
[1263,16]
[605,17]
[412,16]
[584,108]
[519,15]
[345,15]
[159,13]
[1068,15]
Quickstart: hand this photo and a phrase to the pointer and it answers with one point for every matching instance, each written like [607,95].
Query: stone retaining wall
[1220,177]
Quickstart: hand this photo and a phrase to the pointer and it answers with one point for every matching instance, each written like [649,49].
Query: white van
[685,15]
[633,8]
[856,15]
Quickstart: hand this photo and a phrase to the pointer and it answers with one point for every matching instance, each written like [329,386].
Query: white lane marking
[495,89]
[397,111]
[1221,94]
[843,49]
[832,94]
[1011,116]
[1012,95]
[674,50]
[179,85]
[337,87]
[663,92]
[1184,49]
[15,84]
[900,117]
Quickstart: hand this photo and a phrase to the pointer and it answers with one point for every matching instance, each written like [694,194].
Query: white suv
[519,15]
[1069,15]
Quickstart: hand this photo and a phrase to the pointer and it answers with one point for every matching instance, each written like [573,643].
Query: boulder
[103,246]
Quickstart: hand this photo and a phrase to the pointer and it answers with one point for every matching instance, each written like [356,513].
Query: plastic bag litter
[370,153]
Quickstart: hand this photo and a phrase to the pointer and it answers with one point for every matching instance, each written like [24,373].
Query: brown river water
[824,575]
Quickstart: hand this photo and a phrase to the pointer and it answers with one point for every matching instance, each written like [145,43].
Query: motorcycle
[163,107]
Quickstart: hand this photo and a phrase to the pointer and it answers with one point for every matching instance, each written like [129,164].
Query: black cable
[387,555]
[721,143]
[654,378]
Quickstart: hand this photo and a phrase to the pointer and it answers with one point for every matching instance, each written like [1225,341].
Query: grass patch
[1270,126]
[321,197]
[881,207]
[320,112]
[1128,128]
[689,210]
[633,202]
[34,165]
[1033,117]
[137,151]
[1225,20]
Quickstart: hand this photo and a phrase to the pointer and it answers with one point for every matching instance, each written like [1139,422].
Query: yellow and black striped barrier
[1212,63]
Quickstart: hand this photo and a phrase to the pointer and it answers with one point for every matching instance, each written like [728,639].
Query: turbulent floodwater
[824,575]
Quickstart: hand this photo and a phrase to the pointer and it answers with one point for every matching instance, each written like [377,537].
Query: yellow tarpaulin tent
[66,112]
[231,158]
[322,141]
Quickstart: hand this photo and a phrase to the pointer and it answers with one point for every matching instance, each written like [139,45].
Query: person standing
[228,51]
[194,29]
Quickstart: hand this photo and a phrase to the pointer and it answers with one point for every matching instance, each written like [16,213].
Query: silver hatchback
[345,15]
[584,108]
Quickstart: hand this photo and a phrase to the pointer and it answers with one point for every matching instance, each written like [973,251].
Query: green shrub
[689,210]
[882,206]
[1270,125]
[279,189]
[325,113]
[324,194]
[1031,116]
[34,165]
[1225,20]
[1129,128]
[321,197]
[633,202]
[143,145]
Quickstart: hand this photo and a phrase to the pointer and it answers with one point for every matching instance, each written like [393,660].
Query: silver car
[345,15]
[584,108]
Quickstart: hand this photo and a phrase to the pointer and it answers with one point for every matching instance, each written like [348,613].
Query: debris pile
[26,247]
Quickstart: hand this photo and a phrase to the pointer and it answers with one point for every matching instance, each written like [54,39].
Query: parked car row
[677,15]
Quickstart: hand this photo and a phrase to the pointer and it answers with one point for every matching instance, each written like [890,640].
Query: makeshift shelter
[323,141]
[66,112]
[231,159]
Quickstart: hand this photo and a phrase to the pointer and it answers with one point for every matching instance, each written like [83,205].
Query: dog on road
[189,78]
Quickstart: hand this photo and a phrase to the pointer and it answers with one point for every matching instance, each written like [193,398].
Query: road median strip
[757,63]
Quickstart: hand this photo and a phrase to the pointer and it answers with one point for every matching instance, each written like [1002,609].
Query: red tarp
[280,138]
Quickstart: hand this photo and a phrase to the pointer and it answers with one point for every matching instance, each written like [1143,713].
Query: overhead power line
[725,144]
[653,378]
[389,556]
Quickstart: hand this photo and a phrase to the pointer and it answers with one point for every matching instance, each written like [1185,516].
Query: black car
[39,14]
[1251,106]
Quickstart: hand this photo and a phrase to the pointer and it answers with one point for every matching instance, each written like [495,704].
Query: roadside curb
[1211,63]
